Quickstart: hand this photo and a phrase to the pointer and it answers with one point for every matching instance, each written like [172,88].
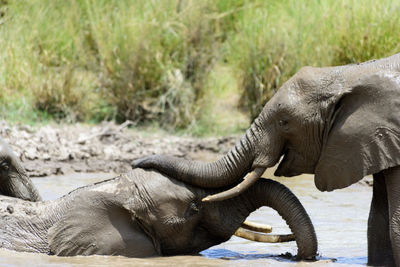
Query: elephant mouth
[294,163]
[260,233]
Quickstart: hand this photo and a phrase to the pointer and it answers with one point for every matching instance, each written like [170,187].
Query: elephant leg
[379,245]
[392,178]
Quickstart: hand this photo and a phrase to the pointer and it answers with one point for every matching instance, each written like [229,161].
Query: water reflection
[226,254]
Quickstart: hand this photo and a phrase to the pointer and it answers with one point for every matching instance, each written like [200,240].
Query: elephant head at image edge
[14,181]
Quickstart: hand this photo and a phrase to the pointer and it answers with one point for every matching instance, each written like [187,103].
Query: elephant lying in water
[14,181]
[339,123]
[143,213]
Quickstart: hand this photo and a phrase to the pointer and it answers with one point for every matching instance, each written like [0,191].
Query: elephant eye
[4,166]
[283,123]
[194,208]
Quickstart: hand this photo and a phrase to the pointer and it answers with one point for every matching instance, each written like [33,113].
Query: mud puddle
[340,220]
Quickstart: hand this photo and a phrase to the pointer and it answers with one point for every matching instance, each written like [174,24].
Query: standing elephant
[144,213]
[339,123]
[14,181]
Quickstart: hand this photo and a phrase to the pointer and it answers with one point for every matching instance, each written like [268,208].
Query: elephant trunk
[225,171]
[277,196]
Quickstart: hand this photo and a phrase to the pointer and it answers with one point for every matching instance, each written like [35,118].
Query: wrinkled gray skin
[14,181]
[339,123]
[143,213]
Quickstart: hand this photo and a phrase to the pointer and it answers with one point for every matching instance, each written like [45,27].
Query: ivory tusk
[257,227]
[248,180]
[259,237]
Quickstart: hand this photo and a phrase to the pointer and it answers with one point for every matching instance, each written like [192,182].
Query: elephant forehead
[166,199]
[164,189]
[160,188]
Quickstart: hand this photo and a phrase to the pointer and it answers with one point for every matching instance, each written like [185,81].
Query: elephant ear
[95,227]
[364,133]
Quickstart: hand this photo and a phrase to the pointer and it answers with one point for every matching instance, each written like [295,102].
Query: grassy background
[182,65]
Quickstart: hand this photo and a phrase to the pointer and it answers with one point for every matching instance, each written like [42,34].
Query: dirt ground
[60,149]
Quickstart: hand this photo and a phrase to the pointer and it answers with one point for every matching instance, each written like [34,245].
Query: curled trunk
[277,196]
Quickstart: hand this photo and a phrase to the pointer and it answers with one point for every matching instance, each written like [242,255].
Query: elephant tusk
[248,180]
[257,227]
[259,237]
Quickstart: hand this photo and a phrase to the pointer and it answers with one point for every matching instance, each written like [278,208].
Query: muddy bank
[60,149]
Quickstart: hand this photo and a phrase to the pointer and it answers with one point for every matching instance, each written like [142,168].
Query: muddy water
[340,220]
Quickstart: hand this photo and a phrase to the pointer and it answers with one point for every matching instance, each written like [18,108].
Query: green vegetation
[276,38]
[183,65]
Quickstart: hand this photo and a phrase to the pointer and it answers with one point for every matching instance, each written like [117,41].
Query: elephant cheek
[285,168]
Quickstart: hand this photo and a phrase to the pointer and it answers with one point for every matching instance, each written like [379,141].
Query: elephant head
[14,181]
[144,213]
[339,123]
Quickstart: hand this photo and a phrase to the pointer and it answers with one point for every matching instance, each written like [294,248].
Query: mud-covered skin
[340,123]
[14,181]
[142,214]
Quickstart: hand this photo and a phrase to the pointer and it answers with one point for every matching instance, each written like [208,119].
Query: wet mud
[61,149]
